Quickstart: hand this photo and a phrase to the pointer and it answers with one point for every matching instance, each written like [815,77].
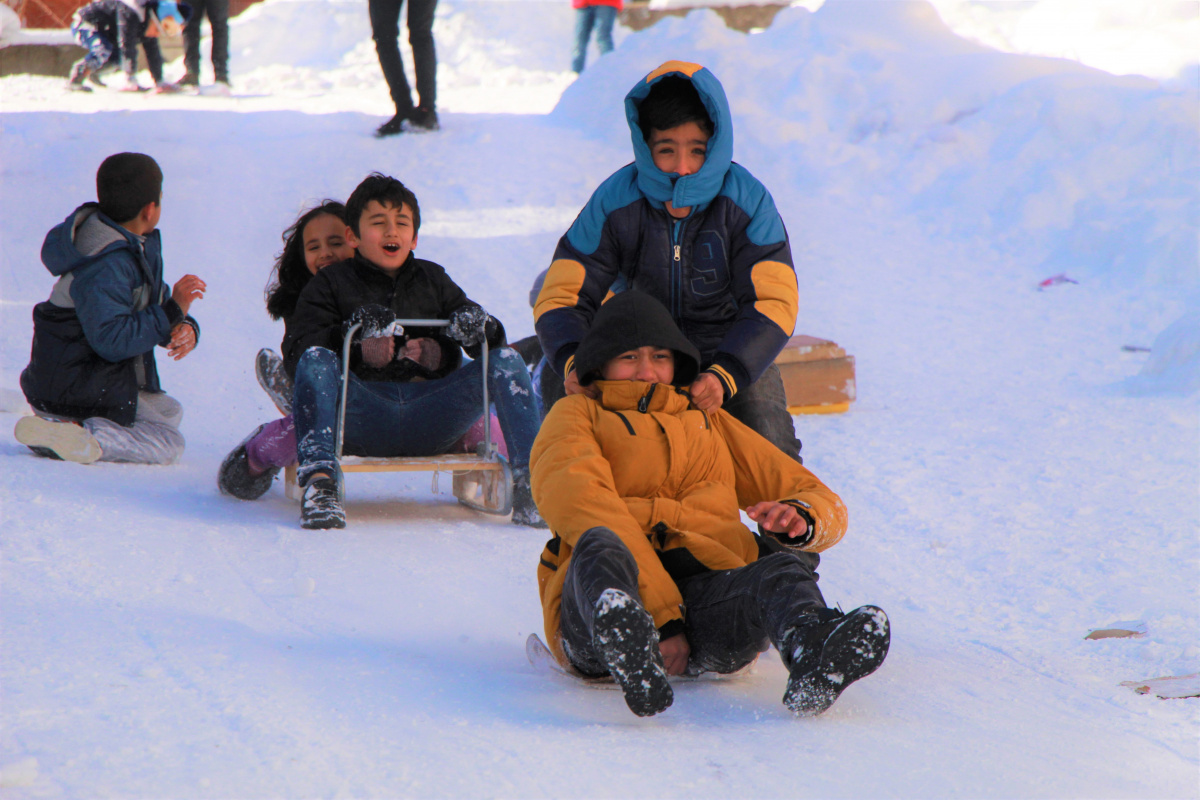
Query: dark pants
[762,406]
[422,418]
[385,30]
[218,18]
[731,617]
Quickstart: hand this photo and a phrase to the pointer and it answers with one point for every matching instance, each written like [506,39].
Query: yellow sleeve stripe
[778,297]
[686,67]
[570,365]
[725,378]
[561,288]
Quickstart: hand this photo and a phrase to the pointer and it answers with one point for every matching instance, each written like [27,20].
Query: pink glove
[377,352]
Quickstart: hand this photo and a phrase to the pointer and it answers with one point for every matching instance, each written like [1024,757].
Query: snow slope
[1015,478]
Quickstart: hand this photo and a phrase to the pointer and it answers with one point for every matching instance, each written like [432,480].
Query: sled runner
[544,662]
[482,481]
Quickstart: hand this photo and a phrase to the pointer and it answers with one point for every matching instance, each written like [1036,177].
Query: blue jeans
[601,18]
[422,418]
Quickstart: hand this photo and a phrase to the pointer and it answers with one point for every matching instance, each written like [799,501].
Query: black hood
[630,320]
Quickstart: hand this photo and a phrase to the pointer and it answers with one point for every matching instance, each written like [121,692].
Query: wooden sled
[482,481]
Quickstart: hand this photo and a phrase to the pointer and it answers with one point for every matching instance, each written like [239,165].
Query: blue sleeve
[104,295]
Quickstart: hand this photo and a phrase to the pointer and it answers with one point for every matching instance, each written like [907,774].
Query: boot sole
[853,650]
[627,642]
[68,441]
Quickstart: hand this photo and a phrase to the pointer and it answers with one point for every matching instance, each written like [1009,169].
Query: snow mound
[1174,364]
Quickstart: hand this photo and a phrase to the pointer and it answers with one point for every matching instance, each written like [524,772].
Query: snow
[1015,478]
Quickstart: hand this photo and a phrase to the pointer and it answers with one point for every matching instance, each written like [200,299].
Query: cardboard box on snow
[818,376]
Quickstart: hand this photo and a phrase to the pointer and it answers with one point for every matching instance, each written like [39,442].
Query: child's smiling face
[324,241]
[385,235]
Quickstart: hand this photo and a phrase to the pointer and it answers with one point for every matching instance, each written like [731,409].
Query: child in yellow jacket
[651,571]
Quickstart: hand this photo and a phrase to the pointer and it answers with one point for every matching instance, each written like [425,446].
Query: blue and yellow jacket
[725,271]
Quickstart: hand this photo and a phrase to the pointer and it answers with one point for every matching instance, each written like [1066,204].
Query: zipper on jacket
[677,269]
[644,403]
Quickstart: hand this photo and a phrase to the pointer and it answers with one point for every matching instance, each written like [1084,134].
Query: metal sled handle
[488,449]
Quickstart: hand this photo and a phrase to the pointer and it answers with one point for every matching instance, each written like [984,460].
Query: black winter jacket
[93,340]
[419,290]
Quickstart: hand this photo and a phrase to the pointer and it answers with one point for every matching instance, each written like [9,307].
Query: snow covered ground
[1015,477]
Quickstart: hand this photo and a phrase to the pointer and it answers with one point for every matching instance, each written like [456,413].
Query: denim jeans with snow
[421,418]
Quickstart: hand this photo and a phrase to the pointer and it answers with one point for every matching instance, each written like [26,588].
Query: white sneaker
[218,89]
[67,441]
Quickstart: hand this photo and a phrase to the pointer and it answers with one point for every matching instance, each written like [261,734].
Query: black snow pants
[730,615]
[385,30]
[218,17]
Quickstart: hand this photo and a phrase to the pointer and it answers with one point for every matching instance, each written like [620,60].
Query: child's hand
[426,352]
[187,289]
[706,392]
[378,351]
[675,651]
[183,341]
[776,517]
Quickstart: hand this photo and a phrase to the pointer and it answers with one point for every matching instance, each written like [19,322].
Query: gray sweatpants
[154,437]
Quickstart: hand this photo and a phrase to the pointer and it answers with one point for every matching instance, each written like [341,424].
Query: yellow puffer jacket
[669,480]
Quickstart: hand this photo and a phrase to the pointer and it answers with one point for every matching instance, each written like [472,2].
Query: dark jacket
[121,25]
[419,290]
[93,340]
[725,272]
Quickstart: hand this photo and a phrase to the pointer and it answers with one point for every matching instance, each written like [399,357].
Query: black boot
[423,119]
[525,511]
[392,127]
[321,507]
[235,479]
[625,639]
[827,651]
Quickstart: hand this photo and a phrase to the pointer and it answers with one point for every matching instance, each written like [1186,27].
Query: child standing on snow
[92,379]
[314,241]
[409,394]
[597,15]
[689,226]
[651,571]
[112,30]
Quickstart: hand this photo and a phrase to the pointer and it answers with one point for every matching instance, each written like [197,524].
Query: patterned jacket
[725,272]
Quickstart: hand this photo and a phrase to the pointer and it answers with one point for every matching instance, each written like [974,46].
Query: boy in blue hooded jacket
[92,380]
[692,228]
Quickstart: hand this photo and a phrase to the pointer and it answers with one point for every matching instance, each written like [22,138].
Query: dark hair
[290,273]
[672,102]
[126,183]
[385,190]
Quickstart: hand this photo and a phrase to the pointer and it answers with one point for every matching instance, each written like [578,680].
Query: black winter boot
[827,651]
[525,511]
[423,119]
[392,127]
[625,639]
[235,479]
[321,507]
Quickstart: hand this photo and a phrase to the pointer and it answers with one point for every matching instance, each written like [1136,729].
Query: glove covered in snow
[470,325]
[376,321]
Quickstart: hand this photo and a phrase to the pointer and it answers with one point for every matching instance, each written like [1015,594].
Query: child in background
[112,30]
[92,379]
[314,241]
[409,394]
